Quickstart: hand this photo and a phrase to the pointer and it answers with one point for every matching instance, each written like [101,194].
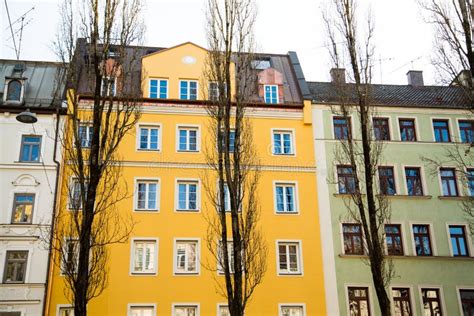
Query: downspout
[53,217]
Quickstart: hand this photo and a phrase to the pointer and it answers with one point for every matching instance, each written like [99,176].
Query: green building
[428,236]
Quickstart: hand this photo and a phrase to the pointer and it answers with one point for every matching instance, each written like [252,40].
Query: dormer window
[108,87]
[271,94]
[14,91]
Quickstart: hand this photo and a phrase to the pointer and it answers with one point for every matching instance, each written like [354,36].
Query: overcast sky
[403,40]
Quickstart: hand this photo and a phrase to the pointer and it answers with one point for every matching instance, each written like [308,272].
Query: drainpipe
[53,216]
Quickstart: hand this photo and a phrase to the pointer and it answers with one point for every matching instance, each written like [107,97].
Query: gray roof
[43,83]
[396,95]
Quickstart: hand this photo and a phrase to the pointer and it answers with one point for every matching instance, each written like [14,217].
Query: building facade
[428,236]
[27,181]
[165,268]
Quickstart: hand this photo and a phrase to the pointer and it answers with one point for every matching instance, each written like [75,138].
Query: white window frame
[369,296]
[188,93]
[412,297]
[219,305]
[138,128]
[434,251]
[188,127]
[265,100]
[467,235]
[282,305]
[114,90]
[138,305]
[149,240]
[292,140]
[88,126]
[220,251]
[195,240]
[197,182]
[185,304]
[217,91]
[5,91]
[285,184]
[66,240]
[441,296]
[423,180]
[158,92]
[72,181]
[147,181]
[299,253]
[63,306]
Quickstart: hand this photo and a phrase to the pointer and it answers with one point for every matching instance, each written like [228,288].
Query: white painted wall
[40,179]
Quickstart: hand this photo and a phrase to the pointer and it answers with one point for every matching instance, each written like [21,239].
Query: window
[285,198]
[231,141]
[407,130]
[158,88]
[188,138]
[149,138]
[108,87]
[66,311]
[470,181]
[289,258]
[23,208]
[431,302]
[144,256]
[188,90]
[15,266]
[413,178]
[387,181]
[147,197]
[75,194]
[441,131]
[230,255]
[293,310]
[342,127]
[401,302]
[421,235]
[346,180]
[185,310]
[358,301]
[142,311]
[467,302]
[187,196]
[223,310]
[70,257]
[353,242]
[214,90]
[226,198]
[448,181]
[271,94]
[393,238]
[381,128]
[186,256]
[459,244]
[84,133]
[283,143]
[466,130]
[30,148]
[14,91]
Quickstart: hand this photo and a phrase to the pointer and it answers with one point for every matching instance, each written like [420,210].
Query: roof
[396,95]
[43,83]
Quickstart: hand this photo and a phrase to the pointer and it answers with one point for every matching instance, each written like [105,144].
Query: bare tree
[103,85]
[233,157]
[360,157]
[453,45]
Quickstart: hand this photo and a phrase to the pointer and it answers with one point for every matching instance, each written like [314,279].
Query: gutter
[53,216]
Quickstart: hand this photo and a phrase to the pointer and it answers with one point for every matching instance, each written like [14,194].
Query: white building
[27,181]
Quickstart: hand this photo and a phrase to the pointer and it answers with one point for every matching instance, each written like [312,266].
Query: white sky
[403,40]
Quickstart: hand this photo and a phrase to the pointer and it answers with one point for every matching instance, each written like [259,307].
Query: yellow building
[162,269]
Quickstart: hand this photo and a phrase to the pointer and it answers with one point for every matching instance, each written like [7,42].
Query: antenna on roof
[19,30]
[380,60]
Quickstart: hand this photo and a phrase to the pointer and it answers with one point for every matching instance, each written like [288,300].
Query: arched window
[14,91]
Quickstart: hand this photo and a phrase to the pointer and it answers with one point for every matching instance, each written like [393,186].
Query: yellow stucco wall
[165,288]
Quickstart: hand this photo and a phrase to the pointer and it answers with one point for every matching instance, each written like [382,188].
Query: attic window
[18,69]
[112,53]
[261,64]
[14,91]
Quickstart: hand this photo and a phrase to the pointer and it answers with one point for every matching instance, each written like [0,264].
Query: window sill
[187,211]
[283,155]
[188,151]
[406,196]
[287,213]
[143,273]
[28,162]
[146,211]
[411,257]
[345,195]
[152,150]
[186,274]
[455,198]
[290,274]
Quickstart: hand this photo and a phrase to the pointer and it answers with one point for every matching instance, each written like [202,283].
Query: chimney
[415,78]
[338,75]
